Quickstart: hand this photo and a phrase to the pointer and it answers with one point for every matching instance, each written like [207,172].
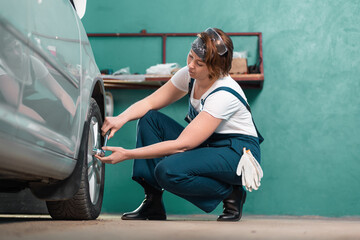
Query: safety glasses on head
[199,47]
[216,38]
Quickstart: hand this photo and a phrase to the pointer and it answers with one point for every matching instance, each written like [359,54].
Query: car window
[58,35]
[19,18]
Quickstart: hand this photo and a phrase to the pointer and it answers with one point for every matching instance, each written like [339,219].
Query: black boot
[151,208]
[233,205]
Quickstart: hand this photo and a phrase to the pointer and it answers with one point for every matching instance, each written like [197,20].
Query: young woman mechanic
[198,162]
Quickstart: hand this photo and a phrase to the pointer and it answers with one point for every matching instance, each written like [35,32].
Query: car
[52,106]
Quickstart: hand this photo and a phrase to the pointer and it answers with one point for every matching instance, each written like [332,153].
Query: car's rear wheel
[86,203]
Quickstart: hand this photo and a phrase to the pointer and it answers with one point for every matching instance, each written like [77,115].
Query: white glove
[256,164]
[250,171]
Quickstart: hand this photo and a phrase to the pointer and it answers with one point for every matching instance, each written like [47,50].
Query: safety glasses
[216,38]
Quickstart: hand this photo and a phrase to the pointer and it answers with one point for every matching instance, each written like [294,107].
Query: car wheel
[86,203]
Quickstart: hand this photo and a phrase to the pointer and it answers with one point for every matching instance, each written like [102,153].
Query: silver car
[51,108]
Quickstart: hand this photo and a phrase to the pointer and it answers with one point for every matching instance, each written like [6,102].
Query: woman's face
[197,68]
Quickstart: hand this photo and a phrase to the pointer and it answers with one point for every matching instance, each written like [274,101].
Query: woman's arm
[46,78]
[162,97]
[10,89]
[193,135]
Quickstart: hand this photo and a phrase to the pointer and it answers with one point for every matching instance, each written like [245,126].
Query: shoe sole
[228,219]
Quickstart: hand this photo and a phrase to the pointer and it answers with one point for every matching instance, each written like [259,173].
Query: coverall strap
[236,94]
[232,91]
[191,84]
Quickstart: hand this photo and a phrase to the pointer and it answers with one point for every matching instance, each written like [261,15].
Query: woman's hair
[218,65]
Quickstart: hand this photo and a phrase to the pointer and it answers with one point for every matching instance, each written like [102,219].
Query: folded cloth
[250,171]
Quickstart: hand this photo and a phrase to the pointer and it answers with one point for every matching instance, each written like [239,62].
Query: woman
[198,162]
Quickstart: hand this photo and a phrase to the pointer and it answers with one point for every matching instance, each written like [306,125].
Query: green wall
[308,110]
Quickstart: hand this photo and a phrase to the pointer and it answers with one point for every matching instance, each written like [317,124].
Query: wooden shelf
[155,81]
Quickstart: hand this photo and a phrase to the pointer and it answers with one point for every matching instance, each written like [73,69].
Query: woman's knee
[167,176]
[148,117]
[160,173]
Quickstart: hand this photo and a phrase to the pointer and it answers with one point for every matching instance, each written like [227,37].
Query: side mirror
[80,7]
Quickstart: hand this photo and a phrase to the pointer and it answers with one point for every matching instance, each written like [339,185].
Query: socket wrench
[100,152]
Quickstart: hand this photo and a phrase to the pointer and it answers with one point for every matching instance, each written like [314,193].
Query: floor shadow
[9,218]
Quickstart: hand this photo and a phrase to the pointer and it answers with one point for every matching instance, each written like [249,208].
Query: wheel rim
[94,166]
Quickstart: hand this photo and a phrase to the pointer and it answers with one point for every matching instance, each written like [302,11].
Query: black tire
[86,203]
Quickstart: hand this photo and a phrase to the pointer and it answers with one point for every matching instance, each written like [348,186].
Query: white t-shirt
[222,104]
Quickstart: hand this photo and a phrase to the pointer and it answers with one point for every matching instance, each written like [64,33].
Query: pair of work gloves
[250,171]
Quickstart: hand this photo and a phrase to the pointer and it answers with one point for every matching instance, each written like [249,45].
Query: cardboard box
[239,66]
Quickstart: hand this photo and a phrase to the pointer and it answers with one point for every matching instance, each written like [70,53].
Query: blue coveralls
[204,175]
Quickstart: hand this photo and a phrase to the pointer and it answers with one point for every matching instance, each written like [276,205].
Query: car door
[13,70]
[54,90]
[10,83]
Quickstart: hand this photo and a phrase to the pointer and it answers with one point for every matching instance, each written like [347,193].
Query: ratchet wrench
[100,152]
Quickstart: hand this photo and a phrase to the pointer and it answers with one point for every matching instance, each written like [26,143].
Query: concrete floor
[189,227]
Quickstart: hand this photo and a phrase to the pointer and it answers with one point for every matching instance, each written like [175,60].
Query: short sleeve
[221,104]
[181,79]
[39,68]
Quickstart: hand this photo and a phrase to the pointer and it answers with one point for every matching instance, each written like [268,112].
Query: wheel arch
[98,93]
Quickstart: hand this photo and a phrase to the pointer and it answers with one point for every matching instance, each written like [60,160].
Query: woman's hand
[118,154]
[113,124]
